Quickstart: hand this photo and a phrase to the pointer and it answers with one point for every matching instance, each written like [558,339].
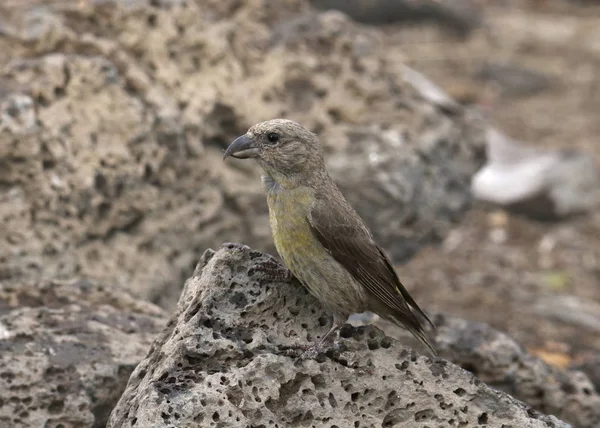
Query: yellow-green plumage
[304,255]
[289,224]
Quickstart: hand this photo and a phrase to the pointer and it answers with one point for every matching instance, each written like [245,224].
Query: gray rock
[591,367]
[544,184]
[574,310]
[430,91]
[514,80]
[224,361]
[17,114]
[460,16]
[411,193]
[499,361]
[67,350]
[112,164]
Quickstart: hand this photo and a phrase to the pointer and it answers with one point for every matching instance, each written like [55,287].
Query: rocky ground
[113,116]
[532,67]
[230,357]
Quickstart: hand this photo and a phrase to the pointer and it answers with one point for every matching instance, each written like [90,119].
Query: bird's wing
[339,229]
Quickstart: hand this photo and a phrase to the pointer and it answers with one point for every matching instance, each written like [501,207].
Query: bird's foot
[295,351]
[313,352]
[273,271]
[326,344]
[305,352]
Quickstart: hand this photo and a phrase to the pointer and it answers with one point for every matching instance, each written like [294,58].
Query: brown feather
[350,243]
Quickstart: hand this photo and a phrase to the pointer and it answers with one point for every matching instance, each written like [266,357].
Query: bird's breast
[288,215]
[306,257]
[294,239]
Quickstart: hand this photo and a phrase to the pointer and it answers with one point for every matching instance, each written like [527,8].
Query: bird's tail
[425,340]
[417,330]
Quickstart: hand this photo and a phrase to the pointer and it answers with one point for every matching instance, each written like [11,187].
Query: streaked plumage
[319,236]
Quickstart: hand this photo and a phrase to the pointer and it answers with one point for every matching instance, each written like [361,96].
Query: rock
[430,91]
[461,17]
[67,350]
[574,310]
[502,363]
[591,367]
[114,115]
[513,80]
[224,360]
[543,184]
[411,197]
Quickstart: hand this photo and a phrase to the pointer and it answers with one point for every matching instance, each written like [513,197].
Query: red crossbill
[320,237]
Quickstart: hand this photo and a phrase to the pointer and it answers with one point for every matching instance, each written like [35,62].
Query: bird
[320,237]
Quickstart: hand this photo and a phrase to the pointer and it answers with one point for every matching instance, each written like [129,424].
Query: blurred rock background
[465,132]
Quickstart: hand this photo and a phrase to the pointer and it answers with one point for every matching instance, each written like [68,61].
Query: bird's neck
[275,183]
[271,186]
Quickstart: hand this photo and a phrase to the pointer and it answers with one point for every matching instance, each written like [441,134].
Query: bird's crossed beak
[242,147]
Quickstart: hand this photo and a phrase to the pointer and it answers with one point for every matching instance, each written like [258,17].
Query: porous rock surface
[224,361]
[114,116]
[499,361]
[67,350]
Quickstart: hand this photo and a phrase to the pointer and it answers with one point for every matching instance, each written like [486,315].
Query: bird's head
[289,153]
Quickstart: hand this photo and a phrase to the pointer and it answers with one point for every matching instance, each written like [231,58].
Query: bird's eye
[273,137]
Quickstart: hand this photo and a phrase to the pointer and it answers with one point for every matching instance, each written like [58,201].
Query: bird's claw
[312,353]
[293,351]
[329,349]
[308,352]
[304,352]
[273,271]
